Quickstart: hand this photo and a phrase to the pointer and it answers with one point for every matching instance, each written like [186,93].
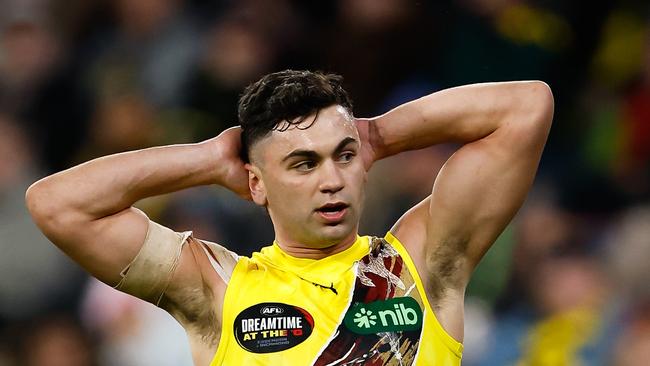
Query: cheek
[292,193]
[357,181]
[360,171]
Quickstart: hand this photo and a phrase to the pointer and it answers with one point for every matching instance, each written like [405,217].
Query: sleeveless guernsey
[362,306]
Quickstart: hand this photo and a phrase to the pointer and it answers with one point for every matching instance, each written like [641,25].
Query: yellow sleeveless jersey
[363,306]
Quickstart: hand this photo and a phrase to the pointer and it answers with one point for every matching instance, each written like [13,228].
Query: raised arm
[503,127]
[87,210]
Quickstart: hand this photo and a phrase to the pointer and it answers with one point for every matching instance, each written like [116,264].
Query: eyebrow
[311,154]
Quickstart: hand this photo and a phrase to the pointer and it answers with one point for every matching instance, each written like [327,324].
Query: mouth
[333,213]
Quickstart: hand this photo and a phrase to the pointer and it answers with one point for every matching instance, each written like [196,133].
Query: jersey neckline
[334,264]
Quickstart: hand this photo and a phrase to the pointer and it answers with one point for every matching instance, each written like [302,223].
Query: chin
[330,235]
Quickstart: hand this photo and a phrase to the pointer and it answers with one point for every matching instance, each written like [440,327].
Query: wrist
[213,153]
[372,144]
[227,168]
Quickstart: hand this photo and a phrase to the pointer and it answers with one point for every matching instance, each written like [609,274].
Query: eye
[305,166]
[346,156]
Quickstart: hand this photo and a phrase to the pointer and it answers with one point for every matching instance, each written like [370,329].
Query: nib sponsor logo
[398,314]
[365,318]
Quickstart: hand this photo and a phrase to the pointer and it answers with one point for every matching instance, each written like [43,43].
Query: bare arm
[87,210]
[504,127]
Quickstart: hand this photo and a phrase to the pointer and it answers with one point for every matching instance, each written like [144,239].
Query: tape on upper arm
[150,272]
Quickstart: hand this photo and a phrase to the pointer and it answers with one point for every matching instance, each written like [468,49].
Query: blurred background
[566,284]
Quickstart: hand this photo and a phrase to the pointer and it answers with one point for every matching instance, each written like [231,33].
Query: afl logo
[271,310]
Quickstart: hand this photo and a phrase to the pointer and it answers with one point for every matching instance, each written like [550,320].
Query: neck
[299,250]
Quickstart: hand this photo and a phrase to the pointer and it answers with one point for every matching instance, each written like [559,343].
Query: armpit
[446,268]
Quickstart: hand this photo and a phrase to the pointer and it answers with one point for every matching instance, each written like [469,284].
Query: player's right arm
[87,210]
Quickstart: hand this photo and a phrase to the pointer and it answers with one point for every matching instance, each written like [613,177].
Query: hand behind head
[232,171]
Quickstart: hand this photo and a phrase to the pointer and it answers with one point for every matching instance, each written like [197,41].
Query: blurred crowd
[567,282]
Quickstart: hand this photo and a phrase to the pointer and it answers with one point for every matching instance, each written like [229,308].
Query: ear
[256,184]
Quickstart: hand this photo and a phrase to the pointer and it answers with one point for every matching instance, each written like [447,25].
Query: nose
[331,178]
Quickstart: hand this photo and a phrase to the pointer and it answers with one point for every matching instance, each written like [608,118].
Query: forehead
[320,132]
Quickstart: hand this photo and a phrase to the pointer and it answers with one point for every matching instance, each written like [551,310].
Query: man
[320,294]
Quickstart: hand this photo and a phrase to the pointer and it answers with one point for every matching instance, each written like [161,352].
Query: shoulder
[221,259]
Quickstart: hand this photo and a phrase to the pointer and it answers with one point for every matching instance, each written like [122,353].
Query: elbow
[531,115]
[540,105]
[38,204]
[45,211]
[530,108]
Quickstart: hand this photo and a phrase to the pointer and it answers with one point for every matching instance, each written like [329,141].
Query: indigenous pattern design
[383,323]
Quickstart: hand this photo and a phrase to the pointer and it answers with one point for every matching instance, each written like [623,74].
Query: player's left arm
[503,128]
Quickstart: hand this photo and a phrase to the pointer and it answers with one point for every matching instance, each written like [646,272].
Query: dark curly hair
[282,99]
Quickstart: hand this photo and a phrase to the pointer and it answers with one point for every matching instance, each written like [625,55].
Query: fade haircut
[283,99]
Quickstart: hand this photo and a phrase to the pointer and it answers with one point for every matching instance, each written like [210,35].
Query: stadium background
[566,284]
